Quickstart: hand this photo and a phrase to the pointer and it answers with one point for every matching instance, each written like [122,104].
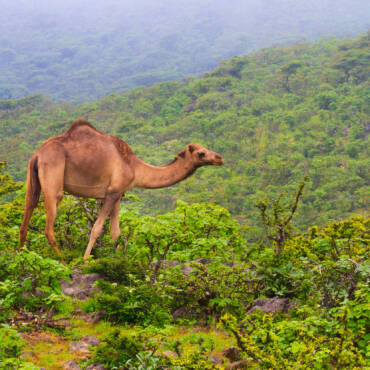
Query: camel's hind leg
[114,220]
[110,201]
[52,178]
[51,202]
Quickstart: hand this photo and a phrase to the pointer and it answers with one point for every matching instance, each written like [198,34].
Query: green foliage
[329,265]
[11,345]
[30,281]
[142,350]
[7,184]
[143,287]
[118,349]
[138,302]
[276,217]
[307,337]
[189,232]
[209,290]
[288,112]
[275,137]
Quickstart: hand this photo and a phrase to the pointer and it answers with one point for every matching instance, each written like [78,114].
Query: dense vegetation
[284,219]
[275,116]
[193,266]
[76,51]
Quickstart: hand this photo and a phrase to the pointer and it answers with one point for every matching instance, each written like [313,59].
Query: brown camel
[88,163]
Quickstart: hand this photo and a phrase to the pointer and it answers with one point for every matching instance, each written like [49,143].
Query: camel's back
[84,139]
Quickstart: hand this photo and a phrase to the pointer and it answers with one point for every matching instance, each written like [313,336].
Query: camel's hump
[79,123]
[122,147]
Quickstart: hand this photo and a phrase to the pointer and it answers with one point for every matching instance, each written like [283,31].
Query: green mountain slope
[78,50]
[275,116]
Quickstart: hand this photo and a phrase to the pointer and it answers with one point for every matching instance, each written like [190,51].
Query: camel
[88,163]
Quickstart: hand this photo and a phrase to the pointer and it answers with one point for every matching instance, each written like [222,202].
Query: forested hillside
[79,51]
[275,116]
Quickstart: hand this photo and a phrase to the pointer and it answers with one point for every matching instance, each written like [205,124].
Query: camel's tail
[33,189]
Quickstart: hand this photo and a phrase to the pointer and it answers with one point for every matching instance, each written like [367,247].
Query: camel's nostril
[218,156]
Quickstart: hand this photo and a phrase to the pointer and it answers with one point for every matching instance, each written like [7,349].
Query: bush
[329,265]
[209,290]
[11,345]
[306,338]
[30,282]
[138,302]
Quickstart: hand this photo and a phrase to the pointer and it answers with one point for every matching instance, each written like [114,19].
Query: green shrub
[125,351]
[306,338]
[209,290]
[138,302]
[32,282]
[11,343]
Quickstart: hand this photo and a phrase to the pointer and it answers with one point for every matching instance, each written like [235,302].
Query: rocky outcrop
[272,305]
[82,346]
[80,286]
[95,367]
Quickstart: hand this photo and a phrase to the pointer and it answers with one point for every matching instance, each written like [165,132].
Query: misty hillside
[80,50]
[275,116]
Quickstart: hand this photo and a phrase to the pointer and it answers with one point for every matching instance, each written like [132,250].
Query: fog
[44,43]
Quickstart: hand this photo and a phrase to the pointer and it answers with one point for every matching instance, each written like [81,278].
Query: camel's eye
[201,155]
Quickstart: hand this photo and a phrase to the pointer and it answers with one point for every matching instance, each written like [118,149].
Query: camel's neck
[152,177]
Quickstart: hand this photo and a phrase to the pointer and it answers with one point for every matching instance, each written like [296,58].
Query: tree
[276,217]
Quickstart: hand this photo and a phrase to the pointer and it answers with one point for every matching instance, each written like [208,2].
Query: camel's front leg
[114,220]
[110,201]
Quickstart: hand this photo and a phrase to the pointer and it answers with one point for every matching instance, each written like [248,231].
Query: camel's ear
[191,148]
[181,154]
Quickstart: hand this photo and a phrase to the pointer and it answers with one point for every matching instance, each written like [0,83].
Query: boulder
[71,365]
[272,305]
[80,286]
[79,347]
[91,340]
[95,367]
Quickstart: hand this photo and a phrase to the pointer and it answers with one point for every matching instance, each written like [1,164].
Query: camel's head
[203,157]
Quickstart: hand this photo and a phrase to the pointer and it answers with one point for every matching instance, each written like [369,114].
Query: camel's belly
[86,191]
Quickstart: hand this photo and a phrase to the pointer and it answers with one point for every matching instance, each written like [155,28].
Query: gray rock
[186,269]
[272,305]
[80,286]
[91,340]
[168,263]
[71,365]
[95,367]
[79,347]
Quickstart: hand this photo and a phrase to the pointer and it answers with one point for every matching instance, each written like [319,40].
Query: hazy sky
[45,43]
